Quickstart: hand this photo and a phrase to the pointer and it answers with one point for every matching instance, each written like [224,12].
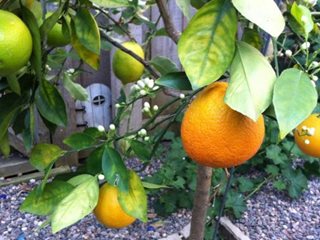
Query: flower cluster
[144,86]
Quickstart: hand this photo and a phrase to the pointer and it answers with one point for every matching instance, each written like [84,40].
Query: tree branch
[141,60]
[168,24]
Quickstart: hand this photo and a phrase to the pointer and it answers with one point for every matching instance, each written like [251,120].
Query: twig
[224,199]
[168,24]
[171,92]
[141,60]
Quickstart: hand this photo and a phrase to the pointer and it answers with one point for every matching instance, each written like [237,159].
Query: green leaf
[93,132]
[303,17]
[176,80]
[275,153]
[43,154]
[245,184]
[45,203]
[297,181]
[114,169]
[272,169]
[87,30]
[5,145]
[14,84]
[141,150]
[236,203]
[51,104]
[250,92]
[36,56]
[134,201]
[79,203]
[184,6]
[76,90]
[164,65]
[294,99]
[79,141]
[264,13]
[252,37]
[207,45]
[79,179]
[86,38]
[93,164]
[279,185]
[111,3]
[50,21]
[153,185]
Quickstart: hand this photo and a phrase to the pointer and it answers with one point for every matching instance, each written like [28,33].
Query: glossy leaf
[5,145]
[14,84]
[184,6]
[93,132]
[36,56]
[303,17]
[252,37]
[111,3]
[294,99]
[164,65]
[51,104]
[114,169]
[153,185]
[79,203]
[43,154]
[207,45]
[87,30]
[264,13]
[176,80]
[75,89]
[93,164]
[142,151]
[79,179]
[79,141]
[250,91]
[134,201]
[84,35]
[45,203]
[50,21]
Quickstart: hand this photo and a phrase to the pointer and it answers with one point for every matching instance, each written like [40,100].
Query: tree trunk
[200,203]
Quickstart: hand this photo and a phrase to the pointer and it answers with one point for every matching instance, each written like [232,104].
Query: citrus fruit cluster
[215,135]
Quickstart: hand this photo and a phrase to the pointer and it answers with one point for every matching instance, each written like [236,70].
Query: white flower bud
[314,78]
[150,84]
[146,105]
[280,54]
[315,64]
[48,67]
[288,53]
[70,70]
[146,109]
[312,2]
[146,139]
[101,128]
[117,105]
[155,108]
[182,96]
[134,87]
[141,84]
[112,127]
[305,45]
[101,177]
[155,88]
[143,92]
[142,132]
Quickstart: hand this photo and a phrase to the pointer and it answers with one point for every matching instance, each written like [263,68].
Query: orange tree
[225,39]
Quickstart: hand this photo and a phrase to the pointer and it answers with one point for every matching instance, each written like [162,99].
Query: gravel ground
[272,215]
[18,226]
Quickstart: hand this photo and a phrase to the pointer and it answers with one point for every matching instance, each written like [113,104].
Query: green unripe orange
[15,43]
[125,67]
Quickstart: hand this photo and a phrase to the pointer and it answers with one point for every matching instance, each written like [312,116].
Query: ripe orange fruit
[15,43]
[216,136]
[108,210]
[307,135]
[125,67]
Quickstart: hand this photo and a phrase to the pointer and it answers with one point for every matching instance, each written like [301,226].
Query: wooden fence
[160,46]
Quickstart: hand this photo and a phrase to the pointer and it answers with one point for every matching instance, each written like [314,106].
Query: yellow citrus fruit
[214,135]
[15,43]
[108,210]
[307,135]
[56,36]
[125,67]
